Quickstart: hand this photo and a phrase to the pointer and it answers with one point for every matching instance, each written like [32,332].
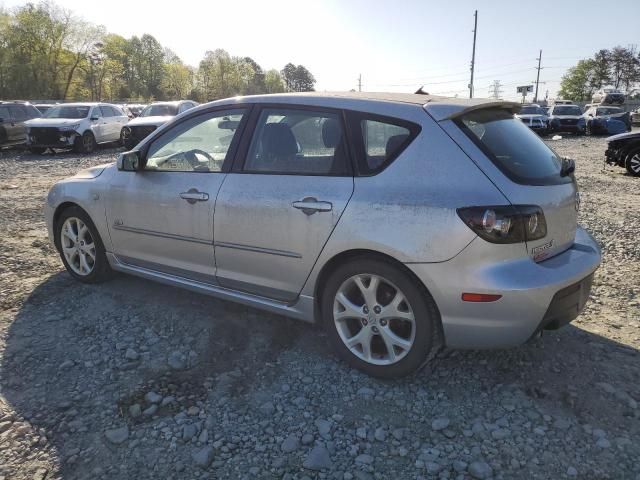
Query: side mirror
[129,161]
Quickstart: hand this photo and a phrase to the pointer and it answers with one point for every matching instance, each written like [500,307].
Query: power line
[535,96]
[473,55]
[494,90]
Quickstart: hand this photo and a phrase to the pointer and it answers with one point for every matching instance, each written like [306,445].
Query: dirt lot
[134,380]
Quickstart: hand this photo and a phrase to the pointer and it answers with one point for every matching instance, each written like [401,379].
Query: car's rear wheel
[378,319]
[632,162]
[86,143]
[81,247]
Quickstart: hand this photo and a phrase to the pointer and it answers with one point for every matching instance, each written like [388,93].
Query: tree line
[46,52]
[618,67]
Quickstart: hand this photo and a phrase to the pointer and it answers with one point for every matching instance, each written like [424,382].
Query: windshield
[160,110]
[608,111]
[530,110]
[68,112]
[567,110]
[513,148]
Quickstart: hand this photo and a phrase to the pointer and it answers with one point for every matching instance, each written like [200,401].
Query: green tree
[577,84]
[298,78]
[273,82]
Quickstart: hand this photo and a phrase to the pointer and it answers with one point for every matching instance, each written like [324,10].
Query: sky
[395,45]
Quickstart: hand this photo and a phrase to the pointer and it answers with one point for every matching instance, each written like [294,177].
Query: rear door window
[298,142]
[513,148]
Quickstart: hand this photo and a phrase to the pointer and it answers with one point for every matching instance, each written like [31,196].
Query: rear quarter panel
[408,211]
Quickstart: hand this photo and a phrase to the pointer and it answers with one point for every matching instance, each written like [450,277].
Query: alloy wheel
[634,164]
[78,246]
[374,319]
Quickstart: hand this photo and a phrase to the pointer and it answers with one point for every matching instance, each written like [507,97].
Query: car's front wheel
[81,247]
[632,162]
[86,143]
[378,319]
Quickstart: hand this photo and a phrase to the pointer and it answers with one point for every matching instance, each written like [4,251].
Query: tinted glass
[297,142]
[199,144]
[567,110]
[160,110]
[4,114]
[381,141]
[532,111]
[106,111]
[68,112]
[18,113]
[609,111]
[117,111]
[513,148]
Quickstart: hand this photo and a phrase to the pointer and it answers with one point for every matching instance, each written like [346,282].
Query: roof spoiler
[450,111]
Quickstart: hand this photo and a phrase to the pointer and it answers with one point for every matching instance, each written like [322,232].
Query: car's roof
[172,102]
[439,107]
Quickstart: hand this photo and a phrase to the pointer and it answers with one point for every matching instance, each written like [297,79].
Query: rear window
[513,148]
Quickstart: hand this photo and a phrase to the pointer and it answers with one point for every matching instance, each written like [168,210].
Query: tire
[37,150]
[417,336]
[123,138]
[632,162]
[86,143]
[97,269]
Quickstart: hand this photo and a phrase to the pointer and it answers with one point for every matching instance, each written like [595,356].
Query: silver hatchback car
[401,222]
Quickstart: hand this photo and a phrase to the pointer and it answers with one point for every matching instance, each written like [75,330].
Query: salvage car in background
[81,126]
[152,117]
[566,118]
[304,187]
[606,120]
[13,118]
[534,117]
[635,117]
[623,150]
[608,96]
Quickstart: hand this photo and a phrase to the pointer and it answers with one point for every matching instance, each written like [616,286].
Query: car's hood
[145,121]
[53,122]
[624,136]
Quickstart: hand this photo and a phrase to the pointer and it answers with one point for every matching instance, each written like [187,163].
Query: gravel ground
[132,379]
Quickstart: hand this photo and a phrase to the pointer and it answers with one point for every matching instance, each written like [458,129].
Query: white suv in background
[81,126]
[152,117]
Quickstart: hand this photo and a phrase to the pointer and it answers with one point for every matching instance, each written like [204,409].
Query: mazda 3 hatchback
[400,222]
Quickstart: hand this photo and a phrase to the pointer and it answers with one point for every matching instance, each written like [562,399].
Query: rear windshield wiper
[568,166]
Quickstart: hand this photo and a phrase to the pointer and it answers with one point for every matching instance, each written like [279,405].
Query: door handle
[193,196]
[311,205]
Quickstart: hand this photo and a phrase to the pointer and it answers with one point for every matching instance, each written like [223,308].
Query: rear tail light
[505,223]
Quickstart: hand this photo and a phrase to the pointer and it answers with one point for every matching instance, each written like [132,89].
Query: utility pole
[360,82]
[494,91]
[535,97]
[473,55]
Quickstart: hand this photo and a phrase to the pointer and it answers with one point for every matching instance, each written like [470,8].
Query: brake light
[505,223]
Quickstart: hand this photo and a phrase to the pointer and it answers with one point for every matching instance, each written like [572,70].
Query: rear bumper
[534,295]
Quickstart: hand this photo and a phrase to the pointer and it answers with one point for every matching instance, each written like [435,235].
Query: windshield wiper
[568,166]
